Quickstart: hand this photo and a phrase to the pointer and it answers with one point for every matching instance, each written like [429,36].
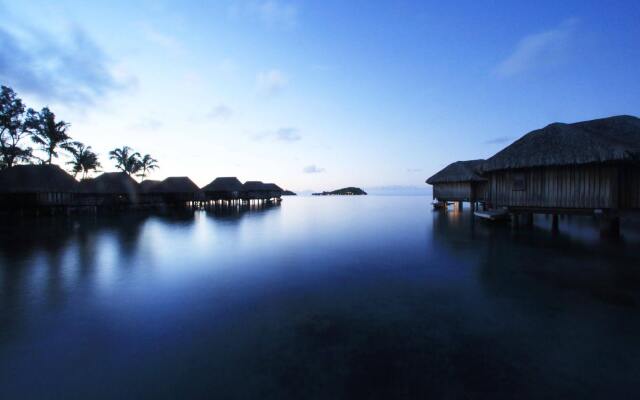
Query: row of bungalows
[49,189]
[580,168]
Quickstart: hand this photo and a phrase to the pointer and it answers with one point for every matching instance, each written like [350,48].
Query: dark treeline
[28,136]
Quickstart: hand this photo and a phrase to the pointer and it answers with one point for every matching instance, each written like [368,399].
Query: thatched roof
[36,179]
[147,185]
[176,184]
[599,140]
[459,171]
[110,183]
[253,186]
[224,184]
[273,187]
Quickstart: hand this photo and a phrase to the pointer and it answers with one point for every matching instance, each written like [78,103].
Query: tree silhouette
[126,160]
[50,135]
[146,165]
[15,124]
[84,159]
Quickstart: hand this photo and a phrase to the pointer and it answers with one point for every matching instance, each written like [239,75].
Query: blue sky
[319,95]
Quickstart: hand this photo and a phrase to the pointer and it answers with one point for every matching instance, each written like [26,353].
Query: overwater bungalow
[147,195]
[459,182]
[275,191]
[254,190]
[583,167]
[223,188]
[178,190]
[111,189]
[36,188]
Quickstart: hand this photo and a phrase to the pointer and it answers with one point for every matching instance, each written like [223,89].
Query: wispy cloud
[271,13]
[539,50]
[271,82]
[312,169]
[498,140]
[411,170]
[160,38]
[220,112]
[286,134]
[73,70]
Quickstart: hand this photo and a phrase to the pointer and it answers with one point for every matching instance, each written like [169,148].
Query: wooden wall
[630,187]
[458,191]
[579,187]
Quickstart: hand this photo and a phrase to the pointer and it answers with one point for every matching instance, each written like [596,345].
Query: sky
[317,95]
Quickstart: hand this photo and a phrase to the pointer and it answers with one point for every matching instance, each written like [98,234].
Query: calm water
[319,298]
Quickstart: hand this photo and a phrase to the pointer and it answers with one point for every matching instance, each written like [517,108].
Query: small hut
[567,168]
[147,195]
[35,187]
[460,181]
[275,191]
[110,189]
[177,190]
[224,188]
[254,190]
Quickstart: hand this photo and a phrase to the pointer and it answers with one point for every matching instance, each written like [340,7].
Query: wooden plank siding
[570,187]
[630,187]
[460,191]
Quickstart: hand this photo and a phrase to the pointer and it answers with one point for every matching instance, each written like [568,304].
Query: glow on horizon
[318,95]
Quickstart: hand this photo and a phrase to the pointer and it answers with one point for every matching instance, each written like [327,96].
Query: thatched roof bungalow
[275,191]
[254,190]
[110,188]
[147,185]
[580,166]
[223,188]
[459,181]
[36,185]
[177,189]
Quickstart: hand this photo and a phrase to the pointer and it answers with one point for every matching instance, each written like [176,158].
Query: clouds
[220,112]
[312,169]
[73,70]
[271,13]
[271,82]
[286,134]
[540,50]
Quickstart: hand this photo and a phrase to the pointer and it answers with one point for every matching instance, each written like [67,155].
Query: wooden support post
[528,220]
[554,223]
[610,227]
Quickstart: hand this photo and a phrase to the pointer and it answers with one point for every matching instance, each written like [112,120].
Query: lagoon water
[318,298]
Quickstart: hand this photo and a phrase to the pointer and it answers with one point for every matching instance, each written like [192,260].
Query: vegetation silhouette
[19,123]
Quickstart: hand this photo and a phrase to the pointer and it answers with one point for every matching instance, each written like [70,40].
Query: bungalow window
[519,182]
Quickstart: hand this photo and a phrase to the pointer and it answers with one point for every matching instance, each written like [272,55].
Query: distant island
[288,193]
[348,191]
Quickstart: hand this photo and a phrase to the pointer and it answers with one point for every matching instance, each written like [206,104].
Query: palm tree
[84,159]
[126,160]
[50,134]
[15,125]
[147,164]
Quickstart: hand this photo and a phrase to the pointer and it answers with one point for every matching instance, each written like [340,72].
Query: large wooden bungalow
[177,190]
[223,188]
[36,188]
[111,189]
[575,167]
[584,167]
[459,182]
